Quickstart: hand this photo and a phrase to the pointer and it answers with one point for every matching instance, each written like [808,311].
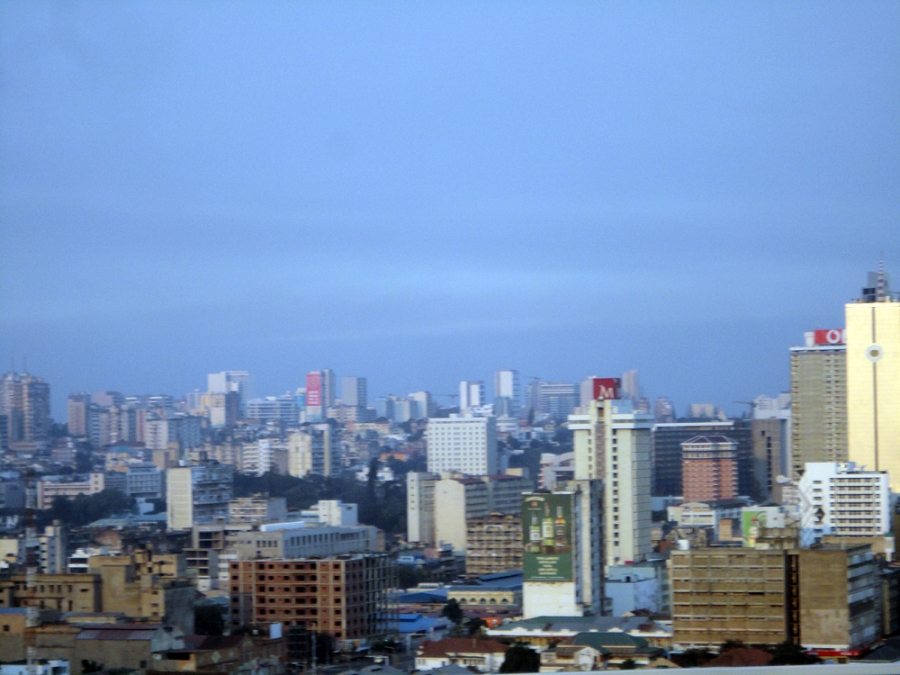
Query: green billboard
[752,522]
[548,536]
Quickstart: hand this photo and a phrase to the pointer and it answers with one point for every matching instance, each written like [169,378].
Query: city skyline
[425,194]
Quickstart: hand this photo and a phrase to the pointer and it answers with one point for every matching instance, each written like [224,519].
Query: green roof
[601,640]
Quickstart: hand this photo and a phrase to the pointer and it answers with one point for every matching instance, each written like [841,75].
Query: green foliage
[90,666]
[475,626]
[520,658]
[84,509]
[693,658]
[208,620]
[728,645]
[453,611]
[628,664]
[381,505]
[789,654]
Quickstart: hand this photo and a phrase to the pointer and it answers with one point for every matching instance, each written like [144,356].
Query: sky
[420,193]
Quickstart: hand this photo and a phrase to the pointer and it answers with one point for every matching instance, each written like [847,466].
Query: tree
[520,658]
[628,664]
[208,620]
[453,611]
[728,645]
[475,626]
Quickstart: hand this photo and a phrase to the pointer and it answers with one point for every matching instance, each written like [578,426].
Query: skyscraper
[471,394]
[819,399]
[710,468]
[229,381]
[612,442]
[630,387]
[354,391]
[79,410]
[873,379]
[464,444]
[507,393]
[25,400]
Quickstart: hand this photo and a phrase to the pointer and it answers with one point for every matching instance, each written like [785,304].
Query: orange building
[709,468]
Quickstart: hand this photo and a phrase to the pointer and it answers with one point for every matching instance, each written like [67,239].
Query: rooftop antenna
[879,288]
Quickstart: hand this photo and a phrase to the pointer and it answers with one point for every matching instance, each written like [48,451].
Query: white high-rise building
[228,381]
[842,499]
[612,443]
[630,387]
[464,444]
[507,393]
[197,495]
[420,506]
[471,394]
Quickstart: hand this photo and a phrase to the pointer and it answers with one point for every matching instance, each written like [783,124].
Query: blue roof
[13,610]
[416,623]
[436,595]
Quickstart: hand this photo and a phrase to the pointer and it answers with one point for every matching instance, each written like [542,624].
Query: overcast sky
[426,192]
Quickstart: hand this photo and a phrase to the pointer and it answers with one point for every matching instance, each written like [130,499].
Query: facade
[79,406]
[563,557]
[294,540]
[823,598]
[463,444]
[667,438]
[235,382]
[196,495]
[507,393]
[845,500]
[709,468]
[493,544]
[257,509]
[346,597]
[612,443]
[25,400]
[315,449]
[282,410]
[818,400]
[770,446]
[145,481]
[873,381]
[52,487]
[354,392]
[555,399]
[420,506]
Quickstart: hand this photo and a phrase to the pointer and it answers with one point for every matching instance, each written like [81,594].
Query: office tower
[770,442]
[873,380]
[630,387]
[563,541]
[315,449]
[507,393]
[228,381]
[557,399]
[279,410]
[664,410]
[78,419]
[354,392]
[319,394]
[25,400]
[420,506]
[329,389]
[845,500]
[709,468]
[464,444]
[667,439]
[471,394]
[197,495]
[384,407]
[105,399]
[424,404]
[612,443]
[818,400]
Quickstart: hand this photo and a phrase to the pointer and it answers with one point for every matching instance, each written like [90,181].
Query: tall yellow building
[873,380]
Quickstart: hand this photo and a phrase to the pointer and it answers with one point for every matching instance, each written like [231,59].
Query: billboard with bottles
[548,536]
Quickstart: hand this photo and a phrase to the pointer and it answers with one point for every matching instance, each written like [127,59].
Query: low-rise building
[485,656]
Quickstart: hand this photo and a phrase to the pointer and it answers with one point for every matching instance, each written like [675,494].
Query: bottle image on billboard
[534,535]
[548,530]
[562,532]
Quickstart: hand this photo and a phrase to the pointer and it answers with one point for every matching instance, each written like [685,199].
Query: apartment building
[493,544]
[198,494]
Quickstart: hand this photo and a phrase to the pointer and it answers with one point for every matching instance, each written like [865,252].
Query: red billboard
[313,389]
[606,388]
[829,336]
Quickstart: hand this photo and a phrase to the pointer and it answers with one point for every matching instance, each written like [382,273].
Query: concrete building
[257,509]
[507,393]
[818,400]
[51,487]
[25,400]
[471,394]
[459,499]
[556,400]
[845,500]
[346,597]
[145,481]
[354,392]
[77,421]
[873,380]
[771,451]
[420,507]
[493,544]
[315,449]
[709,468]
[424,404]
[299,540]
[276,410]
[563,550]
[612,443]
[464,444]
[827,599]
[231,382]
[265,455]
[198,494]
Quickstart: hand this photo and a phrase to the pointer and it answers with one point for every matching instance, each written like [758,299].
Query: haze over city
[420,194]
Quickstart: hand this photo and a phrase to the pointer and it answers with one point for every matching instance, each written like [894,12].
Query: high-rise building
[507,393]
[612,443]
[709,468]
[315,449]
[770,442]
[818,400]
[420,506]
[664,410]
[229,381]
[471,394]
[197,495]
[424,404]
[464,444]
[563,542]
[354,392]
[556,399]
[630,387]
[320,394]
[79,410]
[873,379]
[25,400]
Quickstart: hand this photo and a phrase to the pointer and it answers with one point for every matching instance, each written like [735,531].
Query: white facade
[420,506]
[354,391]
[464,444]
[612,443]
[471,394]
[630,588]
[507,392]
[840,499]
[313,449]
